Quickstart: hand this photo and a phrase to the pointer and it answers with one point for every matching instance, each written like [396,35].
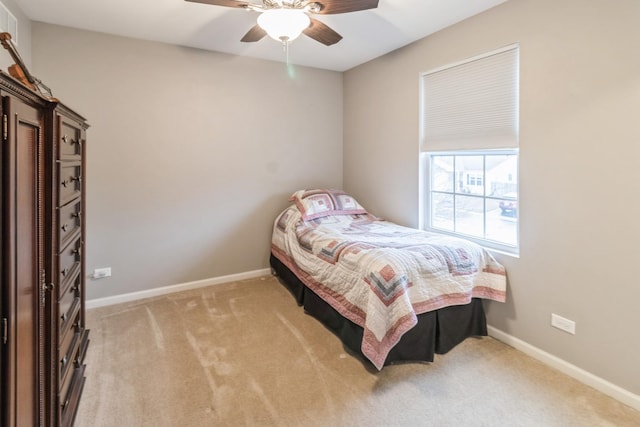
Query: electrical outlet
[563,324]
[101,273]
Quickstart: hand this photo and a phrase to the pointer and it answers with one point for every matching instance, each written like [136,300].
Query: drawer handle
[64,361]
[65,227]
[76,215]
[64,317]
[77,251]
[64,183]
[67,140]
[75,178]
[65,271]
[64,405]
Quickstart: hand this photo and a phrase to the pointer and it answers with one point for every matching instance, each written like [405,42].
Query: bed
[389,292]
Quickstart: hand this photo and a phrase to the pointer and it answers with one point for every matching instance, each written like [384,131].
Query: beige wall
[579,151]
[191,154]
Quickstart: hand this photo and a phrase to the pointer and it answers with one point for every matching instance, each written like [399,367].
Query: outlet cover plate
[564,324]
[101,273]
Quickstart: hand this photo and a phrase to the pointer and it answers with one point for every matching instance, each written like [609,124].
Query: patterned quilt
[380,275]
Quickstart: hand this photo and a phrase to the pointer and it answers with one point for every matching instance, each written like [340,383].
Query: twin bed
[390,293]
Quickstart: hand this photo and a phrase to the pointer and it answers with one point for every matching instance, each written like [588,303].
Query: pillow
[318,203]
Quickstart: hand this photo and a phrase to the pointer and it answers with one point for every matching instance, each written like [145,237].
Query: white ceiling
[366,34]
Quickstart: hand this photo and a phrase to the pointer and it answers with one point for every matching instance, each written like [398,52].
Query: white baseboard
[616,392]
[133,296]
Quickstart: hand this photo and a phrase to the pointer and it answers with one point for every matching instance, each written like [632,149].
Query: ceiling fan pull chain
[285,46]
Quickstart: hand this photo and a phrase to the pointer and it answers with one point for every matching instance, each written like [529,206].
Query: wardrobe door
[23,262]
[3,319]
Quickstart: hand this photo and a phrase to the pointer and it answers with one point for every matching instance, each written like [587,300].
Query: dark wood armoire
[43,339]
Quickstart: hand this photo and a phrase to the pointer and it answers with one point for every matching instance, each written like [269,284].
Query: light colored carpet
[244,354]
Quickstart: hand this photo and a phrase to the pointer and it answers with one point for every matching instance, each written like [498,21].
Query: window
[469,150]
[474,194]
[474,180]
[9,23]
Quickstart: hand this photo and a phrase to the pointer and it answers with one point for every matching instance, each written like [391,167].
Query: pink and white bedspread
[380,275]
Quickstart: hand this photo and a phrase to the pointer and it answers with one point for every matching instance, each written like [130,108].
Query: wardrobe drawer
[70,176]
[70,140]
[69,306]
[69,262]
[68,351]
[69,221]
[70,395]
[84,345]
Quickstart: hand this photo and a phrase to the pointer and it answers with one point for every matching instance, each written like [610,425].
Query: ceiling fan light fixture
[284,24]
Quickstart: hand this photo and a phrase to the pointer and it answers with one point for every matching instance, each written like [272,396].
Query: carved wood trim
[15,86]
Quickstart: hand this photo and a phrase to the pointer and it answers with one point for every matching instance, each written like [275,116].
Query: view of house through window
[475,194]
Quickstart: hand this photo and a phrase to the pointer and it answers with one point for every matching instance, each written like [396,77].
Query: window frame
[426,192]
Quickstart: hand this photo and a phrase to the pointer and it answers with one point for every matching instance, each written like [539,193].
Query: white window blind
[473,104]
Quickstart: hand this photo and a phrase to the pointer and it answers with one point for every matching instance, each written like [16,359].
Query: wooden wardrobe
[43,339]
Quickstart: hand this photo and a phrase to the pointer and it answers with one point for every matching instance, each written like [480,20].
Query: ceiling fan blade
[341,6]
[254,34]
[226,3]
[322,33]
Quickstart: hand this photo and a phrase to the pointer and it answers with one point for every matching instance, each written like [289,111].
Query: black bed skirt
[437,331]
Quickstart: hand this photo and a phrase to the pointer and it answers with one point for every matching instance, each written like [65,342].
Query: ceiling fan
[284,20]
